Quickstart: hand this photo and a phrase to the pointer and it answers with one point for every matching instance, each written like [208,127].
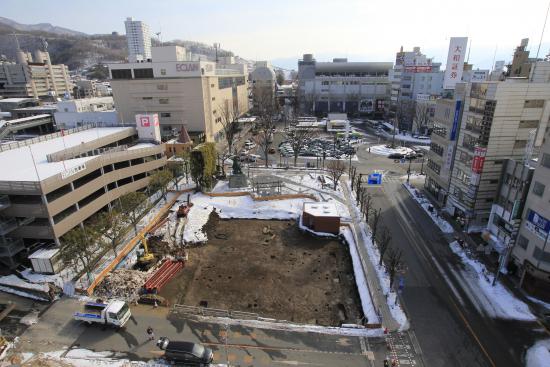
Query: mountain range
[76,49]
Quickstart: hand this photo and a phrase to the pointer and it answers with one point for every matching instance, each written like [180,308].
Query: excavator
[145,259]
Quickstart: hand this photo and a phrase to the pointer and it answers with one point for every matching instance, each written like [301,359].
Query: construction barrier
[260,198]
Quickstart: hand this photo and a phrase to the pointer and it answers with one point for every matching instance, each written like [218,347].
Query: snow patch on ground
[360,278]
[385,150]
[539,354]
[425,204]
[15,281]
[496,300]
[22,294]
[238,207]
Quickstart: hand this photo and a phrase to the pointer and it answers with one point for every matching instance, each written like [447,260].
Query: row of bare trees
[380,234]
[84,245]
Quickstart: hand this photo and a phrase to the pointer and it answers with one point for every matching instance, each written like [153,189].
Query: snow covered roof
[322,209]
[30,163]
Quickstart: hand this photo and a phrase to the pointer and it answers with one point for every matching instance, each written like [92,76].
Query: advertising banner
[537,224]
[455,120]
[479,159]
[455,62]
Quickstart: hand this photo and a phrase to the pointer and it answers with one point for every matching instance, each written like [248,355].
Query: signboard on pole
[477,165]
[455,61]
[455,120]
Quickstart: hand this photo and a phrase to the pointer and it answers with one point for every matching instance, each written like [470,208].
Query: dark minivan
[186,353]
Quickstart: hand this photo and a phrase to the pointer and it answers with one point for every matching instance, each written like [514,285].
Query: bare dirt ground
[284,274]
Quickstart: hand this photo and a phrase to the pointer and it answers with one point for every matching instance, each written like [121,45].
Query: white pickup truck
[115,313]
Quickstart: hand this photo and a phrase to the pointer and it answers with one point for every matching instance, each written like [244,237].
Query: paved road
[232,344]
[450,329]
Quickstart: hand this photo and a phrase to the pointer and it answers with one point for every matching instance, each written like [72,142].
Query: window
[434,166]
[525,124]
[143,73]
[538,188]
[518,144]
[164,101]
[522,242]
[545,160]
[162,86]
[121,73]
[213,98]
[543,256]
[162,71]
[533,103]
[165,114]
[146,98]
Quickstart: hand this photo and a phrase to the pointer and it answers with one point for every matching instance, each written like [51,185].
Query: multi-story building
[85,89]
[263,82]
[34,77]
[52,183]
[497,123]
[343,87]
[139,40]
[505,217]
[531,252]
[440,157]
[190,93]
[78,112]
[412,75]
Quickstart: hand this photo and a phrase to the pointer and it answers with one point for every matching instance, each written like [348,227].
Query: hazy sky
[282,30]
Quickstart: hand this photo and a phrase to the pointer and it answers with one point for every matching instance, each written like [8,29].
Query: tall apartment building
[190,93]
[34,77]
[139,40]
[343,87]
[531,252]
[50,184]
[497,123]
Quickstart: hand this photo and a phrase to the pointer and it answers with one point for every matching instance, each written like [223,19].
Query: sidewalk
[377,294]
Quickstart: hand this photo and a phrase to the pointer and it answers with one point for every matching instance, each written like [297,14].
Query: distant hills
[76,49]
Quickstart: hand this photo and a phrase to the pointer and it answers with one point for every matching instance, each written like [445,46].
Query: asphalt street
[450,329]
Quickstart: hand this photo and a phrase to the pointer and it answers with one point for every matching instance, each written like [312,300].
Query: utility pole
[216,47]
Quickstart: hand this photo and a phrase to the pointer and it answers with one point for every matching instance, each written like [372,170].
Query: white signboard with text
[455,61]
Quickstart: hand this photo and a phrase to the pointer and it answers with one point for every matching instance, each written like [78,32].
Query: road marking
[448,281]
[247,346]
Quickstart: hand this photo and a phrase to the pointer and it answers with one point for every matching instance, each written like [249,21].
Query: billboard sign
[366,105]
[479,75]
[479,159]
[455,120]
[537,224]
[418,69]
[148,126]
[455,61]
[374,179]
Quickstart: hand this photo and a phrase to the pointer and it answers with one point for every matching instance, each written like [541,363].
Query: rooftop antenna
[469,49]
[216,47]
[494,58]
[158,37]
[540,42]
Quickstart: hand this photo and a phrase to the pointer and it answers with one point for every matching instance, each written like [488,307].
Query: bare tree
[374,223]
[336,168]
[394,263]
[353,176]
[113,226]
[133,204]
[404,112]
[298,139]
[266,108]
[81,248]
[366,205]
[159,181]
[383,242]
[422,115]
[229,115]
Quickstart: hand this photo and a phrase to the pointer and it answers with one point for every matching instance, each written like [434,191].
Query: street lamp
[409,170]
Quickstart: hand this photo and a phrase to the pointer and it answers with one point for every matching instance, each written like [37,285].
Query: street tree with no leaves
[422,116]
[133,204]
[159,182]
[267,109]
[81,248]
[298,139]
[112,225]
[383,242]
[229,115]
[394,263]
[336,168]
[374,223]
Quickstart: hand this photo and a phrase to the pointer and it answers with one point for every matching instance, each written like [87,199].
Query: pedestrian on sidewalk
[150,333]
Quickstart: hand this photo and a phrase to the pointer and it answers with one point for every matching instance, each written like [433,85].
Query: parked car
[186,353]
[396,156]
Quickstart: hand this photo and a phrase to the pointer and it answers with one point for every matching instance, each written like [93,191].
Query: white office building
[139,40]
